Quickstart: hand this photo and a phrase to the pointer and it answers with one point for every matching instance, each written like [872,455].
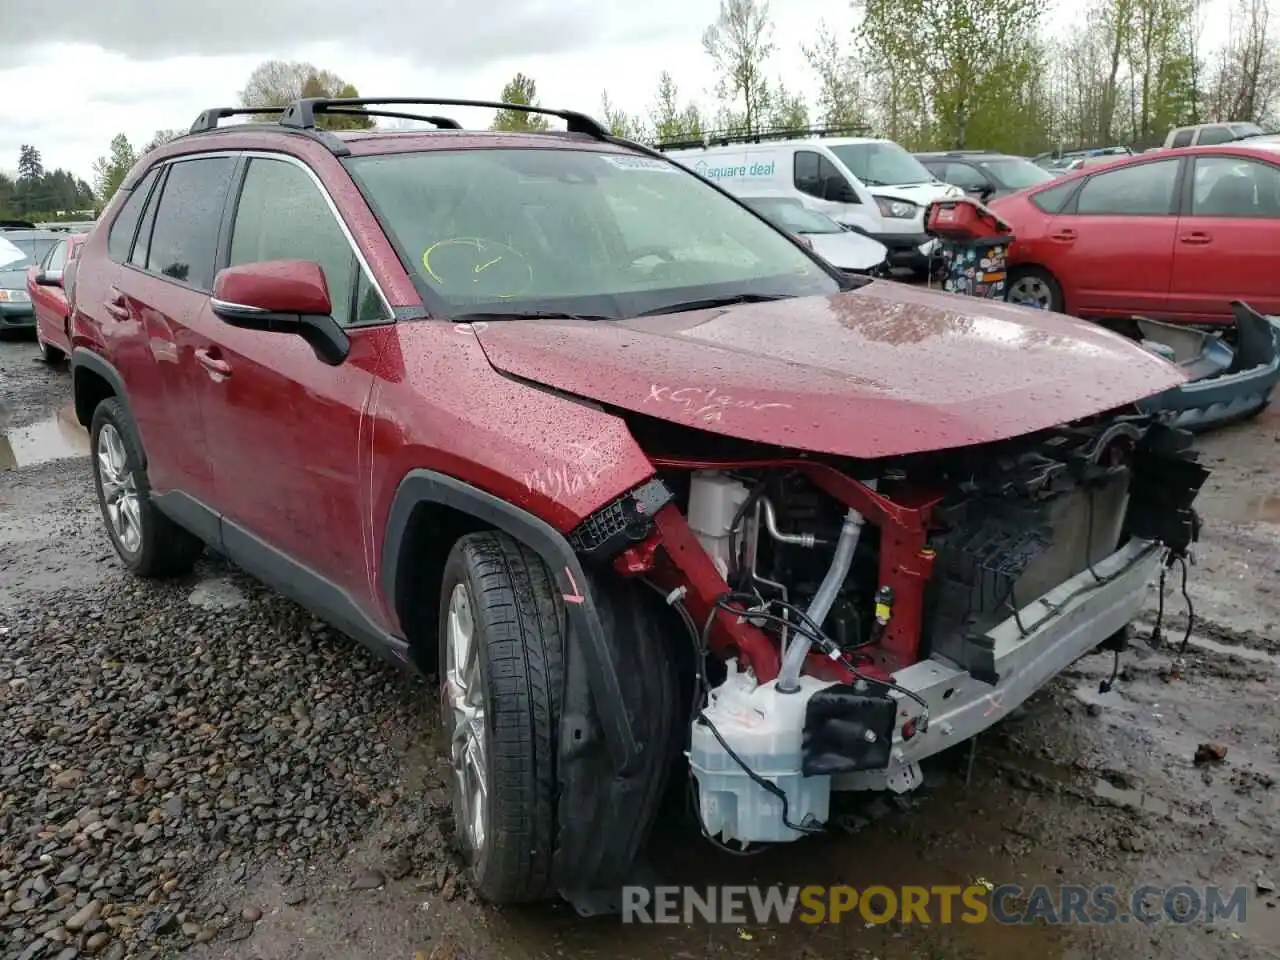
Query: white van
[869,185]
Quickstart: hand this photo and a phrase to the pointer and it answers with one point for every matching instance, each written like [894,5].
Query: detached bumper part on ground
[1226,384]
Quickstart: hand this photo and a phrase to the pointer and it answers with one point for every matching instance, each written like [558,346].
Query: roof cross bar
[208,120]
[301,114]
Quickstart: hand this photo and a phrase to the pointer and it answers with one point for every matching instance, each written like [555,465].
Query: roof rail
[301,114]
[722,138]
[208,119]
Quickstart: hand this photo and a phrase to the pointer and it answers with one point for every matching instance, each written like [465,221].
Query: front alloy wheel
[464,718]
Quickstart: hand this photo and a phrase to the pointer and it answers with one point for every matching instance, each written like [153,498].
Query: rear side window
[1212,135]
[1053,199]
[1144,189]
[1182,138]
[142,245]
[184,241]
[120,239]
[282,215]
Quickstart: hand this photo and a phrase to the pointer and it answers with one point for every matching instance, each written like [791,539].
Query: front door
[1113,246]
[285,428]
[1227,239]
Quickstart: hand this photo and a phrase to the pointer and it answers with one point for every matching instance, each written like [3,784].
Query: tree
[30,166]
[160,138]
[740,44]
[620,124]
[1244,80]
[521,89]
[277,83]
[671,121]
[110,171]
[840,101]
[786,110]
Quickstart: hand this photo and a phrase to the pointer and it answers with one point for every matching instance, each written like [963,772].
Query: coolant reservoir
[764,728]
[714,499]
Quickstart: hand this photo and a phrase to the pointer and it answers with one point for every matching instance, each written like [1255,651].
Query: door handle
[1063,236]
[217,367]
[1196,236]
[116,305]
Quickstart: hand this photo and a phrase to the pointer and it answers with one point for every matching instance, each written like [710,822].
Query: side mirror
[49,278]
[282,296]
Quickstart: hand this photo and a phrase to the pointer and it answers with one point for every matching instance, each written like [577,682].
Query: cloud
[447,33]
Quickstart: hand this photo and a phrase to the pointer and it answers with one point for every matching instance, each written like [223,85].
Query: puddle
[1233,650]
[1140,802]
[56,438]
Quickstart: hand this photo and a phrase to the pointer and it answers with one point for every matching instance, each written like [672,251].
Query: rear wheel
[501,674]
[1035,287]
[149,543]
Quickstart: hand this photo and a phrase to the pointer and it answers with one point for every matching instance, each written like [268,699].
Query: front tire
[501,675]
[150,544]
[1035,287]
[48,353]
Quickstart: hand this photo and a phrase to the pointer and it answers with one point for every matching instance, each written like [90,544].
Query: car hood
[848,250]
[884,370]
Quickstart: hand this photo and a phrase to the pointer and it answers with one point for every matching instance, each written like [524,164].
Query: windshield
[18,252]
[1016,173]
[881,163]
[549,231]
[792,216]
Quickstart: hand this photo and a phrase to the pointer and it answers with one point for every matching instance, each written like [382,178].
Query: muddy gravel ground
[201,767]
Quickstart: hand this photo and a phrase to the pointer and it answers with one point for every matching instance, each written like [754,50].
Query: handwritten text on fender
[707,404]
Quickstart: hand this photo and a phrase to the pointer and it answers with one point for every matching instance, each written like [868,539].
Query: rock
[240,931]
[207,933]
[97,942]
[251,914]
[190,929]
[1264,884]
[450,889]
[293,897]
[398,867]
[84,916]
[68,779]
[217,595]
[1094,709]
[22,905]
[1210,753]
[367,879]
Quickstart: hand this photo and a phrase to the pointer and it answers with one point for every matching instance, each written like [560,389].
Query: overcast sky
[141,65]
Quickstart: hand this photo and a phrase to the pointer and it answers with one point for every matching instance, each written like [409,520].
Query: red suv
[643,481]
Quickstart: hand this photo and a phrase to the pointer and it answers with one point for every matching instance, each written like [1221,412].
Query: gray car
[21,246]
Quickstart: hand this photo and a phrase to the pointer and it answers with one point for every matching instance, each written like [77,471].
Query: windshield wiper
[873,183]
[533,315]
[710,303]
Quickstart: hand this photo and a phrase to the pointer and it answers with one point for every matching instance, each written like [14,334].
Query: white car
[874,186]
[842,247]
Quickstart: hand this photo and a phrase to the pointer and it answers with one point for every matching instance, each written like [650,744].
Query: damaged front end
[848,619]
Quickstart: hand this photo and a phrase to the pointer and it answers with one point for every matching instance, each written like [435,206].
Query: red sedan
[46,286]
[1170,234]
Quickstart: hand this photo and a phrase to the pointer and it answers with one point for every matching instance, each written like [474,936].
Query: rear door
[285,427]
[1112,246]
[1227,239]
[164,287]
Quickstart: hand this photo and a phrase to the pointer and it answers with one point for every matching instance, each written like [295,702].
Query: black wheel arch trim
[586,630]
[90,360]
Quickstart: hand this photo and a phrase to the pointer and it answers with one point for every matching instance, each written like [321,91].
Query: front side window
[1143,189]
[881,163]
[57,257]
[964,176]
[569,231]
[1235,187]
[184,240]
[125,225]
[282,215]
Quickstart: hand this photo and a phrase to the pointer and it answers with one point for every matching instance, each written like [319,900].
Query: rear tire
[150,544]
[1035,287]
[501,676]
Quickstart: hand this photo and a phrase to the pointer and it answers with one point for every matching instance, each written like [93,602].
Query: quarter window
[1053,199]
[282,215]
[184,241]
[125,225]
[1144,189]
